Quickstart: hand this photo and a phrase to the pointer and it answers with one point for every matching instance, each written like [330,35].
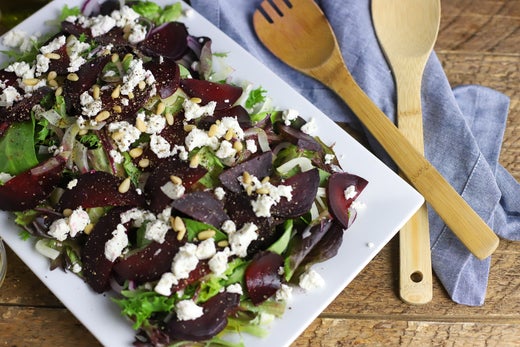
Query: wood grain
[479,42]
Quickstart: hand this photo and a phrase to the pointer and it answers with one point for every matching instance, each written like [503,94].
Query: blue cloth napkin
[463,129]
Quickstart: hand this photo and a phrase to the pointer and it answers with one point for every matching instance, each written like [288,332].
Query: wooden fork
[299,34]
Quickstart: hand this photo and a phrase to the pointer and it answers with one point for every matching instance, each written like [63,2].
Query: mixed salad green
[132,162]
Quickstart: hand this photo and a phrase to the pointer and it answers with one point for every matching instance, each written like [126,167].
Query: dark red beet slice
[96,267]
[28,189]
[196,274]
[175,133]
[338,205]
[99,189]
[149,263]
[262,276]
[213,321]
[202,206]
[168,40]
[237,112]
[259,166]
[304,187]
[298,138]
[75,29]
[167,76]
[128,109]
[60,65]
[88,74]
[224,94]
[21,110]
[161,175]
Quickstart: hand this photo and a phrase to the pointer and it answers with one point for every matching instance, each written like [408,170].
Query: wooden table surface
[479,42]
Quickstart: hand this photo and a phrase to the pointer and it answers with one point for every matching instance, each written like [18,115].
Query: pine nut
[117,109]
[58,91]
[169,118]
[67,212]
[131,95]
[101,116]
[114,57]
[160,108]
[195,161]
[31,81]
[140,125]
[223,243]
[229,134]
[246,178]
[136,152]
[52,56]
[176,180]
[88,228]
[52,75]
[238,146]
[73,77]
[189,127]
[206,234]
[212,130]
[266,179]
[53,83]
[196,100]
[96,91]
[144,163]
[118,135]
[141,85]
[263,191]
[124,186]
[116,92]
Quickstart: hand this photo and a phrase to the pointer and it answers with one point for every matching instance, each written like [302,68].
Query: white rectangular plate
[389,201]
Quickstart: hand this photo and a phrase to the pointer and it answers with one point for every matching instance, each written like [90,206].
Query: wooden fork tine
[269,10]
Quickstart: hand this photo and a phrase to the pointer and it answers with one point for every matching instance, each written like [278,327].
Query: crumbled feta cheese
[115,246]
[310,280]
[165,284]
[225,150]
[241,239]
[197,138]
[193,110]
[130,134]
[206,249]
[77,221]
[219,262]
[310,127]
[228,226]
[59,229]
[76,268]
[219,193]
[42,64]
[172,190]
[229,123]
[284,293]
[251,146]
[235,288]
[135,74]
[156,231]
[90,107]
[350,192]
[263,203]
[9,96]
[185,261]
[329,158]
[53,45]
[137,216]
[137,34]
[21,69]
[100,25]
[188,310]
[160,146]
[118,157]
[76,48]
[181,152]
[289,115]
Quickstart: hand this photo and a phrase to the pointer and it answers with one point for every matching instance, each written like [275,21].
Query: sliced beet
[149,263]
[88,74]
[213,321]
[262,276]
[129,107]
[224,94]
[238,112]
[75,29]
[304,187]
[28,189]
[196,274]
[168,40]
[298,138]
[99,189]
[167,76]
[259,166]
[338,204]
[21,110]
[97,268]
[202,206]
[60,65]
[161,175]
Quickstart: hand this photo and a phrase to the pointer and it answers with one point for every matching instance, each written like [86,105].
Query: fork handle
[451,207]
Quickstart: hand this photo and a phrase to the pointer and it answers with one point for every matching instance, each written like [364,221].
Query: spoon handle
[415,272]
[472,231]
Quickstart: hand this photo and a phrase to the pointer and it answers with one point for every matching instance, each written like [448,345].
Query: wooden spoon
[300,35]
[407,31]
